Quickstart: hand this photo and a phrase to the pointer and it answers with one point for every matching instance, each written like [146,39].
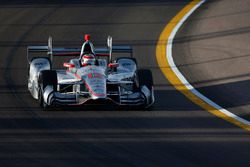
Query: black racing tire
[145,77]
[41,102]
[46,77]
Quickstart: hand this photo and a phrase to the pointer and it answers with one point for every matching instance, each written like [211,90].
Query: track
[175,133]
[216,59]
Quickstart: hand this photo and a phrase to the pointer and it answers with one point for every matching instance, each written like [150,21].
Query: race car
[90,79]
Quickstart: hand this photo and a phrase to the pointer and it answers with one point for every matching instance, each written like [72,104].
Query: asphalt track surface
[175,133]
[212,52]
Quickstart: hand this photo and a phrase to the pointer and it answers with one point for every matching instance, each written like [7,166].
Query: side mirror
[69,65]
[113,65]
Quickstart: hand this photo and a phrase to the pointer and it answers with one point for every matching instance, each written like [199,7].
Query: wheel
[46,77]
[144,77]
[41,100]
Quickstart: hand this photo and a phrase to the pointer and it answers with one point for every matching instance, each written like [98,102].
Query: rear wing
[50,52]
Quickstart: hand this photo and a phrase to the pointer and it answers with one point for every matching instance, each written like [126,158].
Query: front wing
[144,97]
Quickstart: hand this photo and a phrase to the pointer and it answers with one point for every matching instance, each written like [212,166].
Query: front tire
[46,77]
[145,78]
[41,101]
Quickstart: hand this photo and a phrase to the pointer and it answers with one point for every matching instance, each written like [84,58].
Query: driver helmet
[87,52]
[88,59]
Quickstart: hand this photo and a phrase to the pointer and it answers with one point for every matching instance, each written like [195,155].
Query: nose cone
[95,81]
[98,91]
[98,96]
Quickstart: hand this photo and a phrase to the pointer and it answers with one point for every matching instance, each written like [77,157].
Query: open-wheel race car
[94,77]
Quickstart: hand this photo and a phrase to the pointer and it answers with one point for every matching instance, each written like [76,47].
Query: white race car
[93,78]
